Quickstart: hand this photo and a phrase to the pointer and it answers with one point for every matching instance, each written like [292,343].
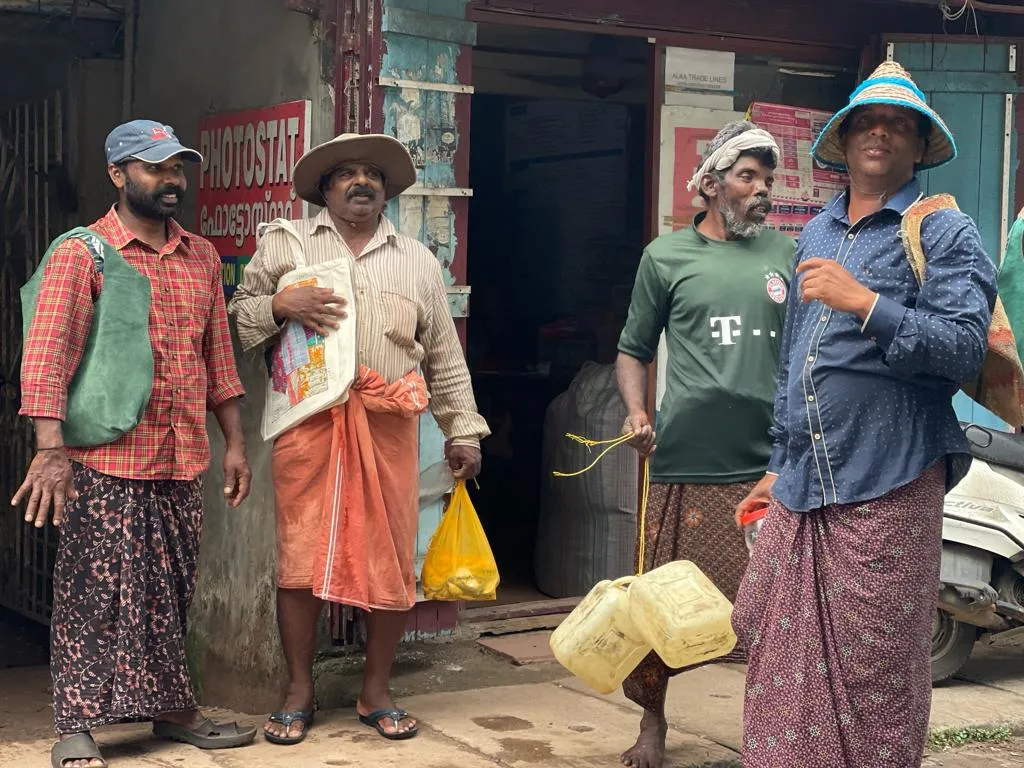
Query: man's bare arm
[631,375]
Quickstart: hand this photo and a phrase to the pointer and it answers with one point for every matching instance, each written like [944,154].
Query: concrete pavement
[533,725]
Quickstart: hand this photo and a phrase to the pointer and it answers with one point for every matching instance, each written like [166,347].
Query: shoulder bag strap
[298,256]
[910,232]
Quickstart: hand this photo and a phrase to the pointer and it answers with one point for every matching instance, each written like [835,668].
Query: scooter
[981,595]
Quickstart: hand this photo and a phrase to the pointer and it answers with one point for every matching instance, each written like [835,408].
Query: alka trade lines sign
[246,179]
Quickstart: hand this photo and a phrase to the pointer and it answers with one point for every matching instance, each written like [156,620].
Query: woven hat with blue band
[889,84]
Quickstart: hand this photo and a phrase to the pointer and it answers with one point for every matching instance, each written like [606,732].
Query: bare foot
[649,750]
[91,763]
[296,700]
[405,725]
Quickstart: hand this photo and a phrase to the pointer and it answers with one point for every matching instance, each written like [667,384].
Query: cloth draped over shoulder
[1011,281]
[1000,387]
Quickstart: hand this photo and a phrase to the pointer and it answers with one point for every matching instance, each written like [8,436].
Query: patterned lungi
[695,523]
[836,612]
[124,578]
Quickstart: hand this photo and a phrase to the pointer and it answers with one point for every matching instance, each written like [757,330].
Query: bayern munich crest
[776,288]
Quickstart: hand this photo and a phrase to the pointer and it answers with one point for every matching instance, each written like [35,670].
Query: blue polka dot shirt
[864,408]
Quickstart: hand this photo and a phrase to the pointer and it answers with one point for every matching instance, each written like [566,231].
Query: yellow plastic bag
[459,563]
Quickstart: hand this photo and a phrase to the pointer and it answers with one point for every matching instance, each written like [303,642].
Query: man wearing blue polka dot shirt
[837,604]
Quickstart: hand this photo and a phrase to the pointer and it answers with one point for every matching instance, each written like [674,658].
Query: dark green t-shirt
[722,307]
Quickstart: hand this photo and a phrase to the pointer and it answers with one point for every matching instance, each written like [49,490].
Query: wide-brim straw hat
[388,154]
[889,84]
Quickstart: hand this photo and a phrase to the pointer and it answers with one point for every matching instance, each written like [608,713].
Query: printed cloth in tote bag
[309,373]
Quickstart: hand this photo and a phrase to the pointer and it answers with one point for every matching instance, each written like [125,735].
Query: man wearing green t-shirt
[717,290]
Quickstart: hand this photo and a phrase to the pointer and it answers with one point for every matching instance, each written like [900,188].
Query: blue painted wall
[423,41]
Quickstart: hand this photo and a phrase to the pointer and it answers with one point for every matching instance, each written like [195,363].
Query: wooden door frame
[358,50]
[655,102]
[703,39]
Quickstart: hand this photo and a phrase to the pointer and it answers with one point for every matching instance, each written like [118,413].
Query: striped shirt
[401,308]
[193,360]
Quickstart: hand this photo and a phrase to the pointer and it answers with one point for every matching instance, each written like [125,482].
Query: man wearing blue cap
[837,605]
[130,510]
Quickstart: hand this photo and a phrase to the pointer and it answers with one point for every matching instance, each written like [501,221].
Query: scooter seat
[1004,449]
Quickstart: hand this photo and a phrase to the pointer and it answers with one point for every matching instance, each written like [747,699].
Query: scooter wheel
[952,643]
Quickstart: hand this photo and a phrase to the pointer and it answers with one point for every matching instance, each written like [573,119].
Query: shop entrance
[60,77]
[556,228]
[567,147]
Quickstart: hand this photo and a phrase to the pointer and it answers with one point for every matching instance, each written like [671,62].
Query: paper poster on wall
[685,133]
[802,186]
[246,178]
[700,78]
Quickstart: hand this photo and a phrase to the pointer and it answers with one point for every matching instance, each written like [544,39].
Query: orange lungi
[346,487]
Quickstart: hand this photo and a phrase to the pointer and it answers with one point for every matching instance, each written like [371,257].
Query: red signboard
[246,179]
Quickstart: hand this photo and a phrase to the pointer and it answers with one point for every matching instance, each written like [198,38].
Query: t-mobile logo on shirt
[728,330]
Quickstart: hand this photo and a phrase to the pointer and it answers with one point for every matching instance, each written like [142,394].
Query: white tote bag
[309,373]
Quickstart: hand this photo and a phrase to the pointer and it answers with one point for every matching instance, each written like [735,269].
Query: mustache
[361,189]
[762,203]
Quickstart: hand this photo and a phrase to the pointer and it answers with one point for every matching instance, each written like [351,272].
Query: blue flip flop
[286,719]
[397,716]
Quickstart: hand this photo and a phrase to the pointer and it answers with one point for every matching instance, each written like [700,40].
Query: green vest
[111,387]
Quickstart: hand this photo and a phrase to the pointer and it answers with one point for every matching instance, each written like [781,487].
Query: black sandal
[397,715]
[287,719]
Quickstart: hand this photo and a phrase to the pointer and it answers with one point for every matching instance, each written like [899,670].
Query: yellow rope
[615,443]
[610,445]
[642,546]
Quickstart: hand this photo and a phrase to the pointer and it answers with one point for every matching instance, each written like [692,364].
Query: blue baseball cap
[146,140]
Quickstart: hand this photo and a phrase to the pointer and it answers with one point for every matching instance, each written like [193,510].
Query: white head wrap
[725,156]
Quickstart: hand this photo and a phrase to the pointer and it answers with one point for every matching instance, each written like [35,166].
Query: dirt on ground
[427,668]
[1006,755]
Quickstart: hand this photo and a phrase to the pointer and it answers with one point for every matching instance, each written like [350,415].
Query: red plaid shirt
[194,363]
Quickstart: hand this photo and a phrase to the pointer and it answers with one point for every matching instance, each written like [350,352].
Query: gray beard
[739,227]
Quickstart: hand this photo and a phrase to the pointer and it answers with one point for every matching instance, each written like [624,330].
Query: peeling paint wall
[425,122]
[196,57]
[427,47]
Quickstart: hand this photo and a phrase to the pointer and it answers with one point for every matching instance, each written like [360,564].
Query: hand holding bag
[309,373]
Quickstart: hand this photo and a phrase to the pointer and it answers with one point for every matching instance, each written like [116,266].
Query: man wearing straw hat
[718,290]
[346,481]
[837,604]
